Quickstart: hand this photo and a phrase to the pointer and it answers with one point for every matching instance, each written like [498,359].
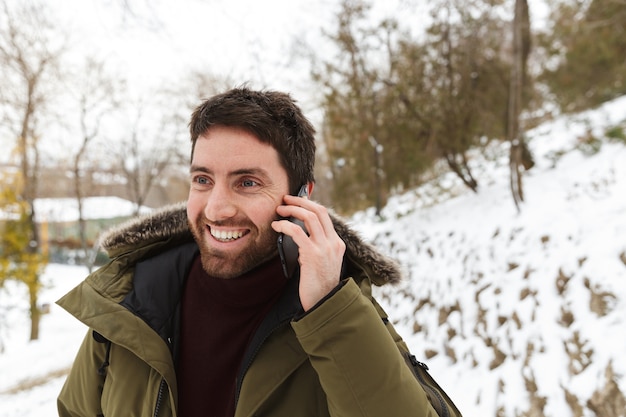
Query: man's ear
[309,187]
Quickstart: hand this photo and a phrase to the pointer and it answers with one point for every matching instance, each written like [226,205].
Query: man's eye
[248,183]
[200,180]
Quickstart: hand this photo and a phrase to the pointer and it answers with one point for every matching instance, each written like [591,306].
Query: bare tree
[31,47]
[515,134]
[97,94]
[149,147]
[353,86]
[139,12]
[153,153]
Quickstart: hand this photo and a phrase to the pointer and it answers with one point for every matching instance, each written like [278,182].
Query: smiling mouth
[226,236]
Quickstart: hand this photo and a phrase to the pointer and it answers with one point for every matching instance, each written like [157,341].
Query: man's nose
[220,204]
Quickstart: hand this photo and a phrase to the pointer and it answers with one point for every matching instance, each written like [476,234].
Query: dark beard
[225,265]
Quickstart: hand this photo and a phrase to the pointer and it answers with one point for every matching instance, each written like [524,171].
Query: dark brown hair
[273,117]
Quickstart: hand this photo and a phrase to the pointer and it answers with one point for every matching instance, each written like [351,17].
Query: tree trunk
[521,47]
[29,192]
[35,315]
[462,170]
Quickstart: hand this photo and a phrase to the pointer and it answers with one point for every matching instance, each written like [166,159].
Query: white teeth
[225,236]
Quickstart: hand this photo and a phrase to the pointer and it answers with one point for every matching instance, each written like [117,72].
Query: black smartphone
[287,248]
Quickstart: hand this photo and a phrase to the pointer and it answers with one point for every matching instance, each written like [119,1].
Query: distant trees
[586,41]
[152,148]
[420,99]
[397,101]
[464,82]
[18,260]
[145,150]
[353,102]
[30,52]
[96,93]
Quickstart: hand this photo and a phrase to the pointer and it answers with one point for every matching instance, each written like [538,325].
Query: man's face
[237,182]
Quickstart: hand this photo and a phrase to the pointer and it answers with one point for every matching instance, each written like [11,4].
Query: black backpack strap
[437,397]
[101,339]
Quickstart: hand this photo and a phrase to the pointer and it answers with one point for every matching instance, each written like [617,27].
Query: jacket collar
[170,224]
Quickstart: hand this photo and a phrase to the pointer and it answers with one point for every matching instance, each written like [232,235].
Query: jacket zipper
[434,393]
[254,353]
[160,395]
[162,385]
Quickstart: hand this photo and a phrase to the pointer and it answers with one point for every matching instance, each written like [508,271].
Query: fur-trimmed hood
[170,222]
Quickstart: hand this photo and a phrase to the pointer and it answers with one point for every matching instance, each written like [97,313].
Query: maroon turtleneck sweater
[218,319]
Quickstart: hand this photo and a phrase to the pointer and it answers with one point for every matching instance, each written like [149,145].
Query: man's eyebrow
[198,168]
[242,171]
[249,171]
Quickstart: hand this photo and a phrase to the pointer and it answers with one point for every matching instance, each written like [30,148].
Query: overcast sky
[248,40]
[149,42]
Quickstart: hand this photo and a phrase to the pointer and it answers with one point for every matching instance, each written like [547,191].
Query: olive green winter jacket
[340,359]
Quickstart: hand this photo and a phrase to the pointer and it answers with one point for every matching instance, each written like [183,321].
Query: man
[193,316]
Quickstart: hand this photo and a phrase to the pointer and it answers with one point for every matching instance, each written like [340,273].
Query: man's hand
[320,253]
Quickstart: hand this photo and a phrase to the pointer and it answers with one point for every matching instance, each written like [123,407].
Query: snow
[493,299]
[66,209]
[21,361]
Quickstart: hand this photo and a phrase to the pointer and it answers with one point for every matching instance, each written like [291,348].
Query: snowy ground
[495,302]
[37,363]
[518,311]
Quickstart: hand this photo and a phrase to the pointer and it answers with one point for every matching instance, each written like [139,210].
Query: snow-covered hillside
[521,314]
[516,314]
